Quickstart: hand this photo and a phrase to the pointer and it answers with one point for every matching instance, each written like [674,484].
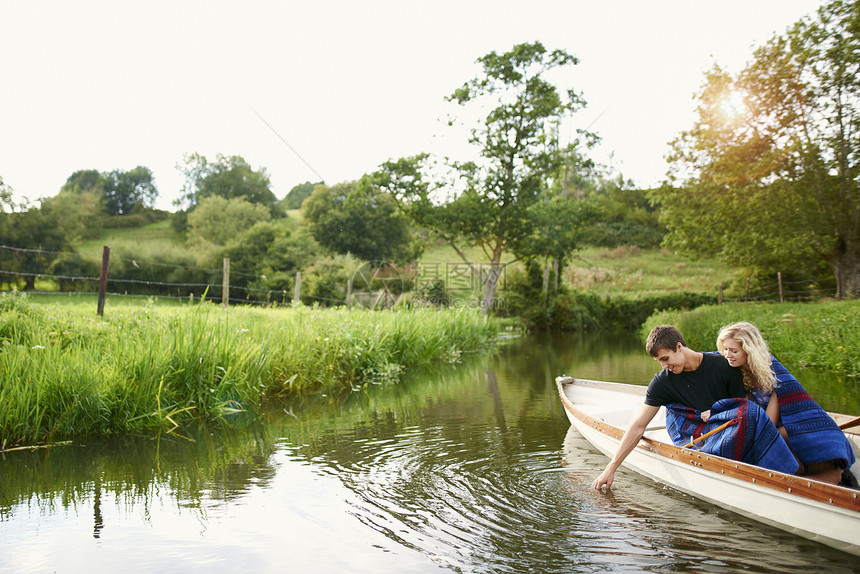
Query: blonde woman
[744,347]
[814,438]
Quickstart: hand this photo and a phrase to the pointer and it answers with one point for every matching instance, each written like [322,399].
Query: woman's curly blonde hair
[757,371]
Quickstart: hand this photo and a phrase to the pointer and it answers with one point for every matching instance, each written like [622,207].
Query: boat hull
[817,511]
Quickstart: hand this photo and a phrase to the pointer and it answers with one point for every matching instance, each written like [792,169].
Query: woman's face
[734,352]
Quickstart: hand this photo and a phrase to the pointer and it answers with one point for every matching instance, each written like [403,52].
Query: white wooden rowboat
[828,514]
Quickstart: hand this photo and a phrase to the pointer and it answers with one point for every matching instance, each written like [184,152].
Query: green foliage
[79,215]
[298,194]
[216,220]
[824,335]
[772,185]
[324,282]
[116,193]
[142,270]
[267,256]
[34,240]
[71,268]
[435,293]
[496,202]
[356,218]
[626,217]
[125,190]
[566,310]
[85,181]
[228,177]
[150,367]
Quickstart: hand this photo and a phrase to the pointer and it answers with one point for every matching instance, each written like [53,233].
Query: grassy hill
[158,236]
[624,270]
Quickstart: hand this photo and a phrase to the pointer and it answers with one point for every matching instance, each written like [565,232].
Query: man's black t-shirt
[699,389]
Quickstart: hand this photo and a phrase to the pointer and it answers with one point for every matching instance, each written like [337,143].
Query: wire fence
[136,278]
[121,282]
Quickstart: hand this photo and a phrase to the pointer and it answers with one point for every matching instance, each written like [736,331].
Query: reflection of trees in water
[459,462]
[136,471]
[613,356]
[205,462]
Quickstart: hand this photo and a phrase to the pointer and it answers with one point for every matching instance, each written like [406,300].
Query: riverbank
[67,372]
[823,335]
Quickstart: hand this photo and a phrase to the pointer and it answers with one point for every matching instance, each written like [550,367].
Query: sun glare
[732,105]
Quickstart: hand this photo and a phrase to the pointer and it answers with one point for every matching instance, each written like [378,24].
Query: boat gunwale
[788,484]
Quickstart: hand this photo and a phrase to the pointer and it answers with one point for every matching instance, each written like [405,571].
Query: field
[824,335]
[140,366]
[630,271]
[155,237]
[623,271]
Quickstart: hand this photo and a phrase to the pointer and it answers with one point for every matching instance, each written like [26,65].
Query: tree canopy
[767,175]
[118,192]
[500,201]
[298,194]
[123,190]
[217,220]
[356,218]
[228,177]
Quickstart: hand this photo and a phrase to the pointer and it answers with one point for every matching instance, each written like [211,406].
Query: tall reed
[65,372]
[825,335]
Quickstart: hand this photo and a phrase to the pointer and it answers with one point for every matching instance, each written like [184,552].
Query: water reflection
[472,468]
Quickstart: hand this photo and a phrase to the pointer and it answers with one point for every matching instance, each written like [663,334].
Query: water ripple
[426,489]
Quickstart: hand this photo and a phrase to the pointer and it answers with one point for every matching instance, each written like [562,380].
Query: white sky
[348,84]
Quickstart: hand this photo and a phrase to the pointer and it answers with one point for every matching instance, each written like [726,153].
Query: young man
[695,380]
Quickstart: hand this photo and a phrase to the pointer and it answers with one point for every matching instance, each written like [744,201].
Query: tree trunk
[846,269]
[490,286]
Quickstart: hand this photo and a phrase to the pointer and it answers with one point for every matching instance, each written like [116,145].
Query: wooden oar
[709,433]
[849,424]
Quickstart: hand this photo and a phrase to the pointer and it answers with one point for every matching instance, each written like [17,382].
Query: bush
[325,281]
[434,293]
[71,269]
[567,310]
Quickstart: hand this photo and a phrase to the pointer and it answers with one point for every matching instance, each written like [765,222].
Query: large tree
[500,201]
[298,194]
[218,220]
[357,218]
[118,192]
[85,180]
[227,177]
[768,175]
[31,241]
[125,190]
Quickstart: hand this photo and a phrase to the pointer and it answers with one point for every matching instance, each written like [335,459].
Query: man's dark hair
[663,337]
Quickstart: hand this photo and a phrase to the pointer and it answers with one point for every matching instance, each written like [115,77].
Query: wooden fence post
[720,299]
[779,276]
[747,296]
[225,287]
[103,280]
[349,293]
[296,299]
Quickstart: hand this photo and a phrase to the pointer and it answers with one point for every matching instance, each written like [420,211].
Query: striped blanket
[753,439]
[812,434]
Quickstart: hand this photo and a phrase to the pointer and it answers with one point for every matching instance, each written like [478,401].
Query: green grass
[153,237]
[632,271]
[67,372]
[824,335]
[627,271]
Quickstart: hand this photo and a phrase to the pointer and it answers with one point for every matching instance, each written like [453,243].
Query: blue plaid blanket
[812,434]
[752,439]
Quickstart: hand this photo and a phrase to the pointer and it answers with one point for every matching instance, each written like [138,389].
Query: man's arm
[628,442]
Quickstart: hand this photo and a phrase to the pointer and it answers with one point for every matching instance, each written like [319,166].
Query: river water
[466,468]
